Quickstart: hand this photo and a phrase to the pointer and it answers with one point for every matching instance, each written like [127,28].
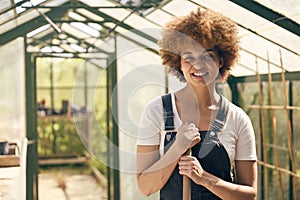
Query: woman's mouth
[200,74]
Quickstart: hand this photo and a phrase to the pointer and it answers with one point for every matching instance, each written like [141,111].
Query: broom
[61,183]
[186,185]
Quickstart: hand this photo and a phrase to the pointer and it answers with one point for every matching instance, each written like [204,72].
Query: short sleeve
[150,124]
[246,147]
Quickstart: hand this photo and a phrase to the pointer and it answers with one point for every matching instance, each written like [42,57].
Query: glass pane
[180,7]
[159,17]
[77,33]
[138,82]
[296,125]
[287,8]
[12,86]
[139,39]
[242,70]
[89,15]
[5,4]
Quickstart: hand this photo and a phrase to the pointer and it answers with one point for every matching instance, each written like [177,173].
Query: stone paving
[77,187]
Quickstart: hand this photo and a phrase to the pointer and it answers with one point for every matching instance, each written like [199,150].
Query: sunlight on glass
[85,28]
[38,30]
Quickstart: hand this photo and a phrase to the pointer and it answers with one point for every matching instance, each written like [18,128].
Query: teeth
[200,74]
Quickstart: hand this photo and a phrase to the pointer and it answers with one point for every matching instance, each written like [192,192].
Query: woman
[200,49]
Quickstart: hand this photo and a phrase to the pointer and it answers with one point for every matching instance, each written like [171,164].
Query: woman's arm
[246,173]
[153,172]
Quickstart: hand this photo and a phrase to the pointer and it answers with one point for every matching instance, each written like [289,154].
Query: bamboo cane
[273,107]
[290,138]
[283,170]
[186,184]
[277,164]
[262,131]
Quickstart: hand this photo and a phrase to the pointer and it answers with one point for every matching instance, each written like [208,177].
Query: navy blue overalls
[209,151]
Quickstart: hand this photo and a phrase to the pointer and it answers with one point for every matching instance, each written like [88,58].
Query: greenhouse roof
[269,30]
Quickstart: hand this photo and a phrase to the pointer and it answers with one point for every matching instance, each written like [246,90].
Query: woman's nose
[198,64]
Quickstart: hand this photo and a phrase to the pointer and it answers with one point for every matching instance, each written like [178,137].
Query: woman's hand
[190,166]
[153,170]
[187,136]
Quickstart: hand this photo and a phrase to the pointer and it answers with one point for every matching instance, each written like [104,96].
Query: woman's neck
[207,97]
[197,106]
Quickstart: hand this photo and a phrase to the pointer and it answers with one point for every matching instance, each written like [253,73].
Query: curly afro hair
[204,27]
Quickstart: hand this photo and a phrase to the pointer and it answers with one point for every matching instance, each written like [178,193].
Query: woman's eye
[188,59]
[207,57]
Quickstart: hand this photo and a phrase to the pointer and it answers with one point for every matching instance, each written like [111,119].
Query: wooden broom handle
[186,185]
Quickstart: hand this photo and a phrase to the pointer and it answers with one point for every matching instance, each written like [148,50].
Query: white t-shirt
[237,136]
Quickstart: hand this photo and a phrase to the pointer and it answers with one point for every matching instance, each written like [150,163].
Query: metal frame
[29,26]
[113,130]
[31,126]
[56,13]
[269,14]
[291,76]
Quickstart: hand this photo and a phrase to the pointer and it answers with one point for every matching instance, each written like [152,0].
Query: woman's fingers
[185,165]
[192,126]
[185,162]
[190,166]
[187,136]
[187,158]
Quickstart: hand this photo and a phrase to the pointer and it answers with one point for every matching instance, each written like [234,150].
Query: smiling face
[200,64]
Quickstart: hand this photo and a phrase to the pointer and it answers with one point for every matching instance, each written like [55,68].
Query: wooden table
[13,173]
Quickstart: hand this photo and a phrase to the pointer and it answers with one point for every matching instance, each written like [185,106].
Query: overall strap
[169,137]
[168,112]
[221,117]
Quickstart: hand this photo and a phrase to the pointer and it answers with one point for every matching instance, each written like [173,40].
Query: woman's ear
[221,62]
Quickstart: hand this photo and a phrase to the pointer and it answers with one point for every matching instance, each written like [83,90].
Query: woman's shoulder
[239,120]
[155,104]
[158,99]
[236,111]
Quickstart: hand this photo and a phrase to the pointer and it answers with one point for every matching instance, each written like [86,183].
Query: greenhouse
[76,76]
